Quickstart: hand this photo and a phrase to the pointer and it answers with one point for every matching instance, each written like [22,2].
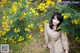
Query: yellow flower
[14,41]
[3,33]
[14,8]
[58,28]
[2,5]
[29,26]
[40,25]
[26,29]
[59,0]
[52,3]
[36,13]
[28,2]
[5,42]
[46,21]
[20,38]
[65,16]
[30,36]
[15,30]
[48,2]
[32,25]
[18,30]
[75,22]
[3,23]
[19,4]
[27,35]
[42,7]
[4,0]
[5,38]
[26,6]
[4,17]
[24,13]
[11,21]
[0,33]
[76,38]
[20,0]
[10,38]
[65,33]
[41,29]
[6,28]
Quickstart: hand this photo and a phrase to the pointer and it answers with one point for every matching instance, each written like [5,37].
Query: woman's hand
[45,46]
[66,51]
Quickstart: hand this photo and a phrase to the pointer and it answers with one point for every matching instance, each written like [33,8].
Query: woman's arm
[65,43]
[46,35]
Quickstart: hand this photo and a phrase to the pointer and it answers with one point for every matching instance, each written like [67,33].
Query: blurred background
[22,24]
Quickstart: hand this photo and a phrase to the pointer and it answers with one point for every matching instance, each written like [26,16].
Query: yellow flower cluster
[14,8]
[42,7]
[20,0]
[33,11]
[5,25]
[23,15]
[3,2]
[20,38]
[59,0]
[48,2]
[77,39]
[12,39]
[2,33]
[29,36]
[77,21]
[16,30]
[65,33]
[4,17]
[19,4]
[46,21]
[28,2]
[5,38]
[26,6]
[65,15]
[30,26]
[41,28]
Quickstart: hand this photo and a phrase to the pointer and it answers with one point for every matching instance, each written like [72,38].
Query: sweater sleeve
[46,35]
[65,42]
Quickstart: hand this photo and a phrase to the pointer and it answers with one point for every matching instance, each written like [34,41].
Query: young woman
[56,40]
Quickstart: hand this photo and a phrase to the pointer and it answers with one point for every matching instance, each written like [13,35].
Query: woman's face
[55,21]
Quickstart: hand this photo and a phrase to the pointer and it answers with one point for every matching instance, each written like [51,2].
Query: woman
[56,40]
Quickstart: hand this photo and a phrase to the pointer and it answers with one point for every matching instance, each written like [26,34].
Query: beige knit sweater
[55,40]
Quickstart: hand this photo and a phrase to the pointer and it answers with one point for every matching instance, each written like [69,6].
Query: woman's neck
[54,27]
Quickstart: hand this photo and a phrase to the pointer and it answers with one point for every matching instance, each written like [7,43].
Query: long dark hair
[59,17]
